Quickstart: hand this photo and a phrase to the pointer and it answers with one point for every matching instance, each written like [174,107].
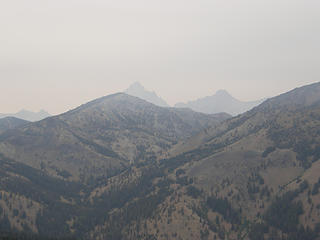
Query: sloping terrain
[285,112]
[27,115]
[11,123]
[263,164]
[253,177]
[102,138]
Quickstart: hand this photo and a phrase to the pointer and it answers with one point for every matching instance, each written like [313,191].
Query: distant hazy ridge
[27,115]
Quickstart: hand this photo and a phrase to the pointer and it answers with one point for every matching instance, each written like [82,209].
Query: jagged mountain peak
[136,86]
[221,101]
[137,90]
[223,92]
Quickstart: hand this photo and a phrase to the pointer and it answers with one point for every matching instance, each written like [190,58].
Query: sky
[58,54]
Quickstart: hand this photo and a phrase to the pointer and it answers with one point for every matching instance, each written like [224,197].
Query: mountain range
[27,115]
[121,168]
[221,101]
[103,137]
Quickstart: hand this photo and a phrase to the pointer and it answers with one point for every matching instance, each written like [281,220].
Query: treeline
[302,139]
[223,206]
[283,214]
[7,235]
[133,202]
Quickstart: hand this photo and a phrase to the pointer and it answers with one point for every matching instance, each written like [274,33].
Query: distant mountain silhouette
[221,101]
[137,90]
[27,115]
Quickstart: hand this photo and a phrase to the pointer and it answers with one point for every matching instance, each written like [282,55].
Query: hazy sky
[57,54]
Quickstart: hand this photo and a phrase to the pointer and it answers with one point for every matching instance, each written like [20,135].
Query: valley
[119,167]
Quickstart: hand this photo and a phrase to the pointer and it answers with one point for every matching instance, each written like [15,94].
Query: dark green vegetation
[106,171]
[28,236]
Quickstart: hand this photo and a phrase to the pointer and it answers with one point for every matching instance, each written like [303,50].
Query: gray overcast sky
[57,54]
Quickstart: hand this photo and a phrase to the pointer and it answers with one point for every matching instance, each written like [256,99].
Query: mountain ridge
[27,115]
[111,132]
[9,123]
[271,106]
[221,101]
[252,177]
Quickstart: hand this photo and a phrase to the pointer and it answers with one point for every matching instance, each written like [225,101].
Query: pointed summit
[223,93]
[137,90]
[221,101]
[136,86]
